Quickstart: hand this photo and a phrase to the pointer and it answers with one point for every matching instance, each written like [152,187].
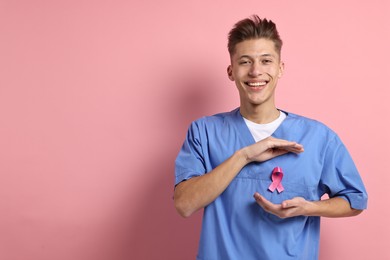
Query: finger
[277,152]
[294,145]
[257,196]
[260,199]
[295,149]
[280,151]
[287,145]
[265,204]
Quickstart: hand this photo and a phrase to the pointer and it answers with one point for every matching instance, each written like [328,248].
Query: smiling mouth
[256,84]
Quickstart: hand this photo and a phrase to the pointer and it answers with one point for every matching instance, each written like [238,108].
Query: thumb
[295,202]
[288,204]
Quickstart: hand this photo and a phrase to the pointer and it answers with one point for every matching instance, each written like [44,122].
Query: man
[261,193]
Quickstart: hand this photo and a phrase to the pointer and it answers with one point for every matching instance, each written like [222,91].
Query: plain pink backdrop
[96,97]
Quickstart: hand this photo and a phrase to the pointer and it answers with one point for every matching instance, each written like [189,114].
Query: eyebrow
[262,55]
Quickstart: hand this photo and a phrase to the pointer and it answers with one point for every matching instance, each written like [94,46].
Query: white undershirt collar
[262,131]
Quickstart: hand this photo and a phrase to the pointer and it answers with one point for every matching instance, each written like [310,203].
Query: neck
[260,114]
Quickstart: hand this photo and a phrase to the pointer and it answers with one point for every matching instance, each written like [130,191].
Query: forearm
[332,208]
[198,192]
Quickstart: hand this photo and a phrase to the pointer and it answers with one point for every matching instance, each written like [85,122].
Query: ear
[230,72]
[281,69]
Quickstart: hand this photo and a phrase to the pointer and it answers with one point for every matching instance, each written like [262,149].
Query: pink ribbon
[277,176]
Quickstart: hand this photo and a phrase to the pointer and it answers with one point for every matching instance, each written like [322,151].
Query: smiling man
[261,193]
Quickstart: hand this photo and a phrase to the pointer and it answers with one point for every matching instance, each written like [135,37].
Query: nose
[255,70]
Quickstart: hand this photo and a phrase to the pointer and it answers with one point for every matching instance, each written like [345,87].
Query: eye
[244,62]
[266,61]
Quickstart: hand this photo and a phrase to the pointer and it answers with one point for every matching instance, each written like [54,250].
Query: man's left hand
[289,208]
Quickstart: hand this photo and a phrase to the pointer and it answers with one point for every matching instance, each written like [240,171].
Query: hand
[297,206]
[269,148]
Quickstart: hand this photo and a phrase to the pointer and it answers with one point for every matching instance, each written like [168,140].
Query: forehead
[255,47]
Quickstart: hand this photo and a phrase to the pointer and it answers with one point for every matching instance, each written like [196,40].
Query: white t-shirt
[262,131]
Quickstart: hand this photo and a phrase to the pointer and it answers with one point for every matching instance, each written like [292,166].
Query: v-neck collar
[245,132]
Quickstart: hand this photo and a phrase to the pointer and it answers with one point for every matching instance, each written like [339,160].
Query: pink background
[96,98]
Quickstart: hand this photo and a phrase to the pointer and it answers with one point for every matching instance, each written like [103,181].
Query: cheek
[240,73]
[274,72]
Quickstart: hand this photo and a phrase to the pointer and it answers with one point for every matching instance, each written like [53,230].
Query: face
[255,68]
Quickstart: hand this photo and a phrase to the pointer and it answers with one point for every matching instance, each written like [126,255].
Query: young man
[261,193]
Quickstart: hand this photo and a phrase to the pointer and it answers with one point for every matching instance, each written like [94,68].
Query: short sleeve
[190,160]
[340,177]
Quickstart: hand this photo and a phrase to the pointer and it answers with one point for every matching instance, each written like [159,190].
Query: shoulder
[216,119]
[310,126]
[307,122]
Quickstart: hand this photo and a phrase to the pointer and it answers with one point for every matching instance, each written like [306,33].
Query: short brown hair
[253,28]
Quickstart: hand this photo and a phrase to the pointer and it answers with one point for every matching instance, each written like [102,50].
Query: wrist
[312,208]
[243,156]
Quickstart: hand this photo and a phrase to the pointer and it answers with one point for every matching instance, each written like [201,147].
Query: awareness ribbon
[277,176]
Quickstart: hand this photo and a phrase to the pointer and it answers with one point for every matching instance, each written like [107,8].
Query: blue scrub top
[234,225]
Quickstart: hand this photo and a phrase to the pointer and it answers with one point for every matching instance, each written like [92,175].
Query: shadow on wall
[158,231]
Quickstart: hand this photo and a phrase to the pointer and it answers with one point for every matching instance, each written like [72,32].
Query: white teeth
[257,84]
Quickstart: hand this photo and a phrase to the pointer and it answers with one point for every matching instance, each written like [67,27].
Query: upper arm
[340,177]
